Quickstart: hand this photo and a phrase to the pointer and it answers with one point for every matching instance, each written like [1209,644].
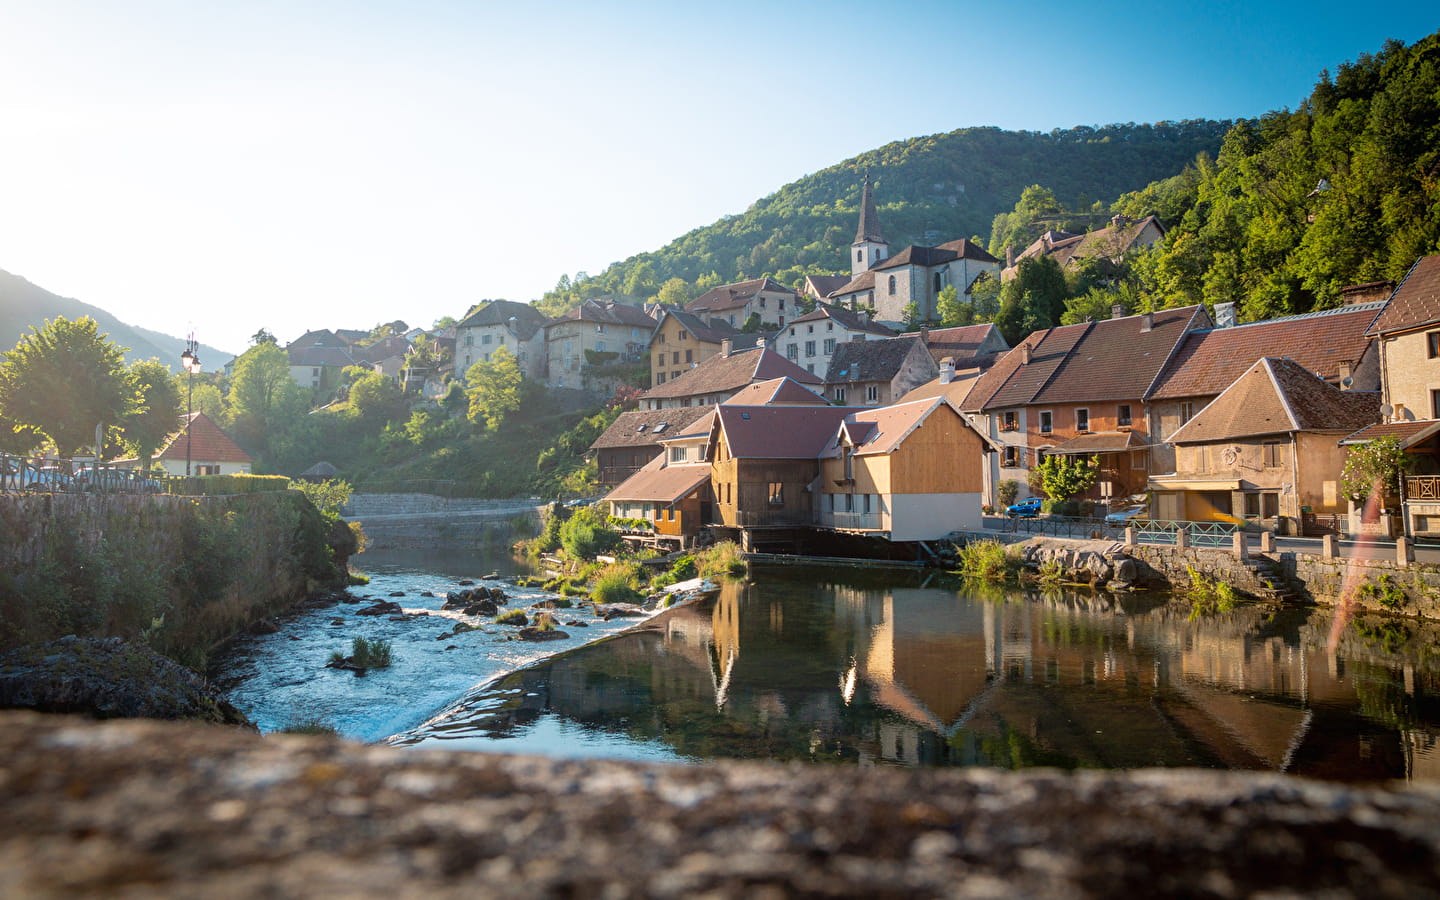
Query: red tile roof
[852,320]
[720,374]
[1278,396]
[207,444]
[1100,442]
[1120,359]
[883,429]
[730,296]
[636,428]
[1010,382]
[1415,303]
[779,432]
[1208,361]
[657,482]
[777,392]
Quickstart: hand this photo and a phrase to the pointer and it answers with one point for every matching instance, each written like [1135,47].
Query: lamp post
[190,360]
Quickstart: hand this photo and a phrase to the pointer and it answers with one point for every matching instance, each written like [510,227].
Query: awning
[1155,484]
[1101,442]
[665,485]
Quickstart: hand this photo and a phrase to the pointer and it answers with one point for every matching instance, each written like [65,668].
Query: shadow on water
[880,668]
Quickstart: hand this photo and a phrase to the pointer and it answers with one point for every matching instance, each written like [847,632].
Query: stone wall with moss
[177,573]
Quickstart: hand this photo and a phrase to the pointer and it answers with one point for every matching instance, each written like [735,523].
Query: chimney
[1117,221]
[925,335]
[725,348]
[1009,257]
[1147,322]
[947,370]
[1024,354]
[1225,315]
[1117,311]
[1347,369]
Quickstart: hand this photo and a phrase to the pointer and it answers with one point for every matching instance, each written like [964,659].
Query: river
[888,668]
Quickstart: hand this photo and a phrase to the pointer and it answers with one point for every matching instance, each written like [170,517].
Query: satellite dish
[1386,409]
[1347,382]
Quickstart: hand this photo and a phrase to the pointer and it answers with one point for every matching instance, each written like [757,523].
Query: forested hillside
[928,189]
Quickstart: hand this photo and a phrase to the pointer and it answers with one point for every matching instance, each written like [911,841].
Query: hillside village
[761,411]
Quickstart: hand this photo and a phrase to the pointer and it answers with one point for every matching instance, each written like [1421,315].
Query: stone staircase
[1269,572]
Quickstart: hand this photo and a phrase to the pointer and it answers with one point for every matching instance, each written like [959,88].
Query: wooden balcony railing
[1422,487]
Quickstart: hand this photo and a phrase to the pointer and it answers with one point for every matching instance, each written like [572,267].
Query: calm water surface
[880,668]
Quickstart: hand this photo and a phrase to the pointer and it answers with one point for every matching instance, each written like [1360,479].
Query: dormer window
[641,429]
[661,427]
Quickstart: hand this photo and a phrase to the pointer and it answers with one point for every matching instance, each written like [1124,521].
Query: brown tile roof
[1409,433]
[955,392]
[1100,442]
[950,251]
[319,356]
[967,249]
[730,296]
[865,281]
[851,320]
[1108,243]
[825,285]
[720,374]
[777,391]
[962,344]
[207,443]
[659,483]
[636,428]
[1415,303]
[1010,382]
[779,432]
[870,360]
[1208,361]
[528,319]
[711,331]
[1278,396]
[609,312]
[1119,359]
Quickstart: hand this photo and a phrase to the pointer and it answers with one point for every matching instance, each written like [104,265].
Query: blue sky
[297,165]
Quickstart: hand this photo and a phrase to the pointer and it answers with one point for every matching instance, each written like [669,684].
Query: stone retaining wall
[362,505]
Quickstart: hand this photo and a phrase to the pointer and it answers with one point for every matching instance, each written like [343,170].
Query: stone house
[683,340]
[718,378]
[518,327]
[878,372]
[594,330]
[735,303]
[969,346]
[1110,243]
[909,472]
[810,340]
[318,360]
[1266,451]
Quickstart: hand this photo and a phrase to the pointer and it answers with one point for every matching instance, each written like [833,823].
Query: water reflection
[796,666]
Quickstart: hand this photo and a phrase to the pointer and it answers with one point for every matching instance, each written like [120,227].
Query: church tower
[869,247]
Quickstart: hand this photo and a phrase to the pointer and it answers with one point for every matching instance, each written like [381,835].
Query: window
[810,368]
[829,326]
[871,297]
[207,470]
[315,373]
[1010,458]
[469,340]
[684,335]
[809,348]
[599,329]
[872,393]
[849,502]
[675,358]
[660,358]
[809,329]
[1047,422]
[829,346]
[674,375]
[780,302]
[1435,404]
[1432,344]
[670,513]
[1187,412]
[782,322]
[937,282]
[839,395]
[659,377]
[792,351]
[1122,414]
[777,493]
[485,340]
[1009,421]
[1272,454]
[892,285]
[859,255]
[762,302]
[599,346]
[1082,420]
[689,356]
[677,454]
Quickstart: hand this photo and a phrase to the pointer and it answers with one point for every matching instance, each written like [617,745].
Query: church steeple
[869,247]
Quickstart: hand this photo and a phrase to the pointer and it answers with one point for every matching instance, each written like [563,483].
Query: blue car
[1025,509]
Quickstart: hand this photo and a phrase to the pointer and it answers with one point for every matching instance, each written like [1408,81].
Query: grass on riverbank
[985,560]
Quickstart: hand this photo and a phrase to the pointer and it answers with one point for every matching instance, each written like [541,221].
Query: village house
[683,340]
[819,287]
[209,450]
[718,378]
[593,333]
[633,440]
[667,501]
[908,472]
[1110,243]
[1332,344]
[970,346]
[318,360]
[879,372]
[810,340]
[1266,451]
[735,303]
[518,327]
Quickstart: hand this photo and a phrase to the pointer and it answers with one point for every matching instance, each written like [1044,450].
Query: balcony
[851,521]
[1422,487]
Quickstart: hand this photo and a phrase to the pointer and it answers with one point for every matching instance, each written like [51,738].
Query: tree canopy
[63,380]
[157,408]
[496,388]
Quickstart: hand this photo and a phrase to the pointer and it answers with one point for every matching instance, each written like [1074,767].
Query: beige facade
[477,344]
[1411,364]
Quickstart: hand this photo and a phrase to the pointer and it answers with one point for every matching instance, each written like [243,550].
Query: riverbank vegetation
[985,560]
[1208,596]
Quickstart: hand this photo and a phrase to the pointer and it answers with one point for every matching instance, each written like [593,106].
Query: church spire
[869,230]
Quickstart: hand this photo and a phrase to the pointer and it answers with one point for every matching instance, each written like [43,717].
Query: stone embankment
[426,521]
[143,808]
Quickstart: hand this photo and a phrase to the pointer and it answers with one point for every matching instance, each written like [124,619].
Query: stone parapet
[143,808]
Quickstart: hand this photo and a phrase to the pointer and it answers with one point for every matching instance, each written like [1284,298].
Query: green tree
[375,395]
[157,411]
[911,316]
[674,292]
[263,336]
[951,310]
[1063,475]
[1033,300]
[262,394]
[63,379]
[495,388]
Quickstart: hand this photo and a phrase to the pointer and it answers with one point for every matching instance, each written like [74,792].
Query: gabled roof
[636,428]
[865,281]
[607,312]
[657,482]
[825,285]
[963,343]
[883,429]
[1013,382]
[1109,242]
[955,392]
[870,360]
[380,350]
[319,356]
[950,251]
[777,392]
[851,320]
[350,335]
[968,249]
[1415,303]
[730,296]
[727,374]
[324,337]
[1120,359]
[528,319]
[1209,360]
[779,432]
[709,331]
[1100,442]
[1278,396]
[206,443]
[1408,433]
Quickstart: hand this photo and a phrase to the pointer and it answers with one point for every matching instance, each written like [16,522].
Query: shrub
[985,560]
[370,654]
[1008,490]
[512,617]
[683,569]
[619,583]
[309,723]
[586,535]
[1208,596]
[203,485]
[723,559]
[1050,573]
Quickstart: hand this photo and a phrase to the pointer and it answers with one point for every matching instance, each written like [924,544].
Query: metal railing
[31,474]
[1202,534]
[1066,526]
[852,520]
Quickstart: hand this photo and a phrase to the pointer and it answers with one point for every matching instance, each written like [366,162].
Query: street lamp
[190,360]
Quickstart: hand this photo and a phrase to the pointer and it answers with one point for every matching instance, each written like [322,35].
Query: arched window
[859,255]
[937,282]
[892,284]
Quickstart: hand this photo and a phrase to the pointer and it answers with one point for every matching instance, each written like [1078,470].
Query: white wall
[927,517]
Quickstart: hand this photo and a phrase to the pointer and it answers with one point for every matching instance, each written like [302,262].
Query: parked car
[1025,509]
[1126,515]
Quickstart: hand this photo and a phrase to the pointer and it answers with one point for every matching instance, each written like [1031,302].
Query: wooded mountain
[24,305]
[928,189]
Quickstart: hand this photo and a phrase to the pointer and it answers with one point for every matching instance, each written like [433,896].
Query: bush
[619,583]
[512,617]
[1384,591]
[723,560]
[1208,596]
[370,654]
[207,485]
[309,723]
[544,622]
[985,560]
[683,569]
[586,535]
[1008,490]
